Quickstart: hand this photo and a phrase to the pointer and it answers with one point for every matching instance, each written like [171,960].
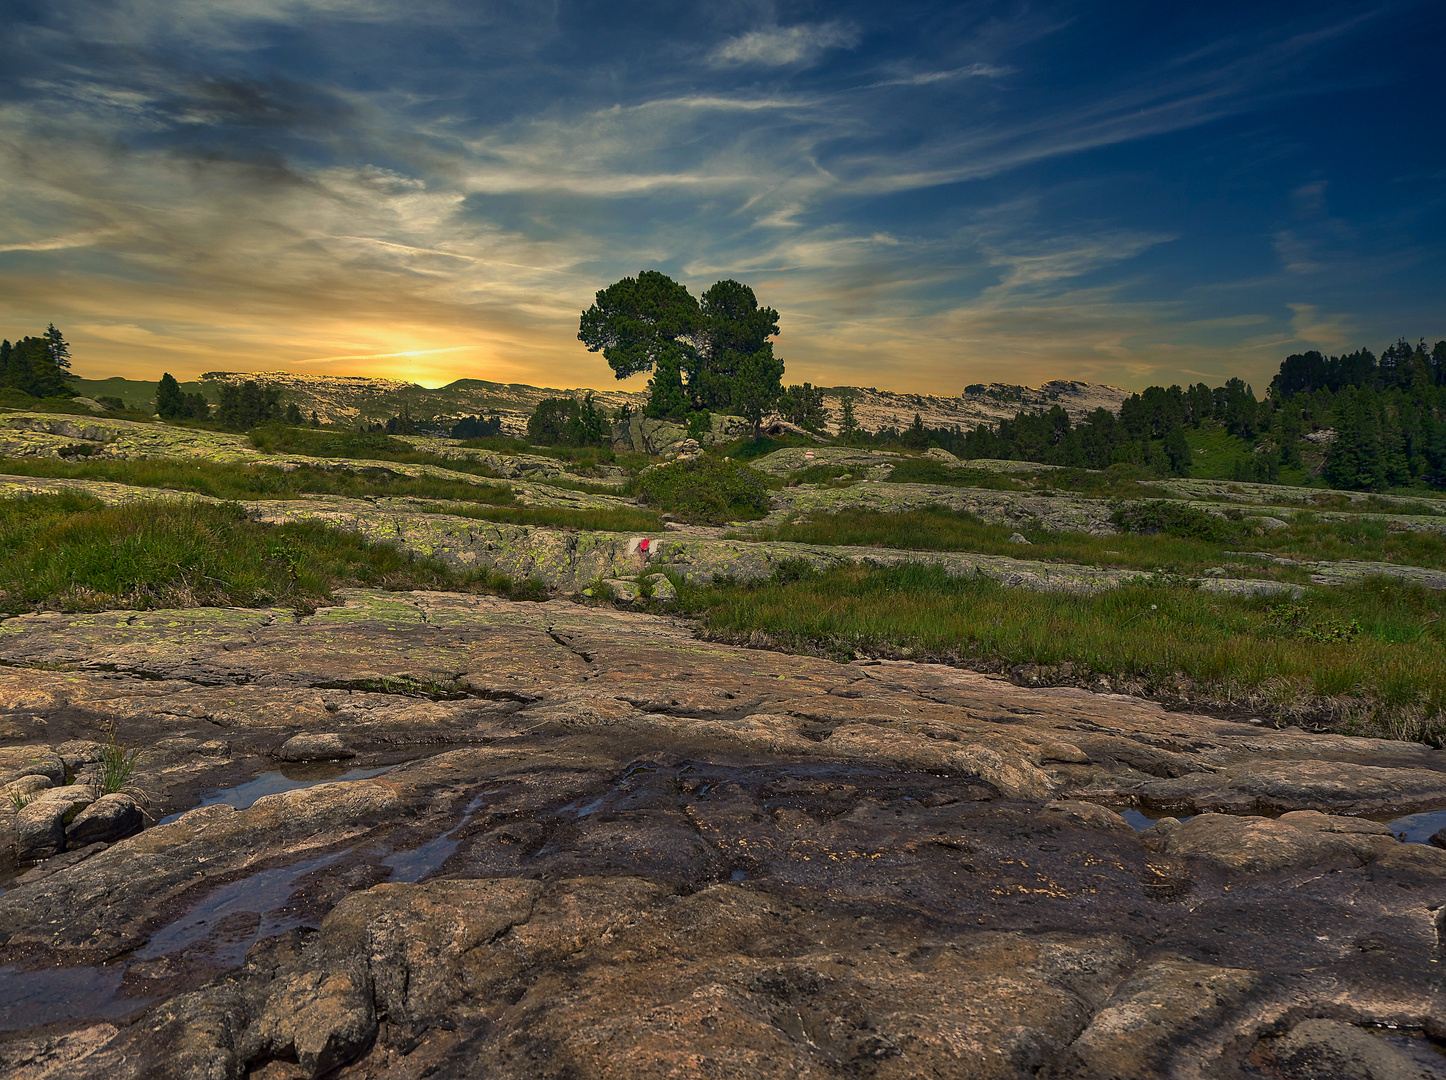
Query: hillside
[347,399]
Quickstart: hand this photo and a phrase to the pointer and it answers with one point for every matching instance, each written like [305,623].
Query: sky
[931,195]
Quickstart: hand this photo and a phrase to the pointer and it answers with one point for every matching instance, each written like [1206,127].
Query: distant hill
[351,399]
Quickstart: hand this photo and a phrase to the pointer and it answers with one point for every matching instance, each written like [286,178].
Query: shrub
[796,569]
[705,489]
[1173,519]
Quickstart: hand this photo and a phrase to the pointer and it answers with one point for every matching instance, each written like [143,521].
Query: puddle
[262,894]
[1141,821]
[416,863]
[244,794]
[738,875]
[52,994]
[1417,828]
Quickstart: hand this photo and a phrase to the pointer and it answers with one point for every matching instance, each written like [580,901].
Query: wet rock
[1439,838]
[111,817]
[1329,1050]
[324,747]
[643,851]
[422,941]
[1089,814]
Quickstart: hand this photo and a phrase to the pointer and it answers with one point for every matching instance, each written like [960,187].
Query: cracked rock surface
[579,842]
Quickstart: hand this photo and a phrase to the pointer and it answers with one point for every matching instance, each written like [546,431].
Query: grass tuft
[71,552]
[259,481]
[1389,671]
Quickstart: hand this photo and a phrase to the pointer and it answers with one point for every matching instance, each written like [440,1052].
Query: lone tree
[712,356]
[172,404]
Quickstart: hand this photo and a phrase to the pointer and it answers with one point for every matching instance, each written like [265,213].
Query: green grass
[582,458]
[618,519]
[706,489]
[363,445]
[236,480]
[11,398]
[1387,676]
[117,762]
[937,528]
[752,449]
[73,553]
[1118,482]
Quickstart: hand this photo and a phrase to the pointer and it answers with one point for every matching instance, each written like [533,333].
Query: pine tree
[170,402]
[847,426]
[59,348]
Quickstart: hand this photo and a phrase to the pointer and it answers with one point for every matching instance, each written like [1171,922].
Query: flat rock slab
[580,842]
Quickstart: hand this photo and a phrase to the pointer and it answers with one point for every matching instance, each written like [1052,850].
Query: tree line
[1383,421]
[38,365]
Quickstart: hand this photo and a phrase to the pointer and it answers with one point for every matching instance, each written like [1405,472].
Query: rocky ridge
[559,841]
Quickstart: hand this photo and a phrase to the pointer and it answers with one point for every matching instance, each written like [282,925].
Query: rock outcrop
[580,842]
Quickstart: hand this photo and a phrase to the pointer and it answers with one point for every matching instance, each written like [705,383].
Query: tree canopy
[39,365]
[172,404]
[710,356]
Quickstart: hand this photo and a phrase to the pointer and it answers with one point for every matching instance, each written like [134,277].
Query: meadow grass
[361,445]
[71,552]
[937,528]
[611,519]
[1377,649]
[236,480]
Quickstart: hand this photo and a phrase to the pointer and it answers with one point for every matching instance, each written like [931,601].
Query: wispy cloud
[784,46]
[322,182]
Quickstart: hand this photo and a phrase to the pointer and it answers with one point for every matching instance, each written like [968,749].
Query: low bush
[610,519]
[1173,519]
[325,442]
[708,490]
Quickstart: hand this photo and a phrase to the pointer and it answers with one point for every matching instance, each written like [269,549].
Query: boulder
[1017,538]
[321,1019]
[26,786]
[663,590]
[324,747]
[110,817]
[40,830]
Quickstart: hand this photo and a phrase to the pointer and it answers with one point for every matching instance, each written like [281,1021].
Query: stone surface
[602,847]
[328,746]
[1321,1049]
[110,817]
[39,831]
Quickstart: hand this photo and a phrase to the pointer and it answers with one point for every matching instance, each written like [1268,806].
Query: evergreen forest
[1369,423]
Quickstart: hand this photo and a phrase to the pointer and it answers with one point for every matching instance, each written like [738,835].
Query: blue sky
[930,194]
